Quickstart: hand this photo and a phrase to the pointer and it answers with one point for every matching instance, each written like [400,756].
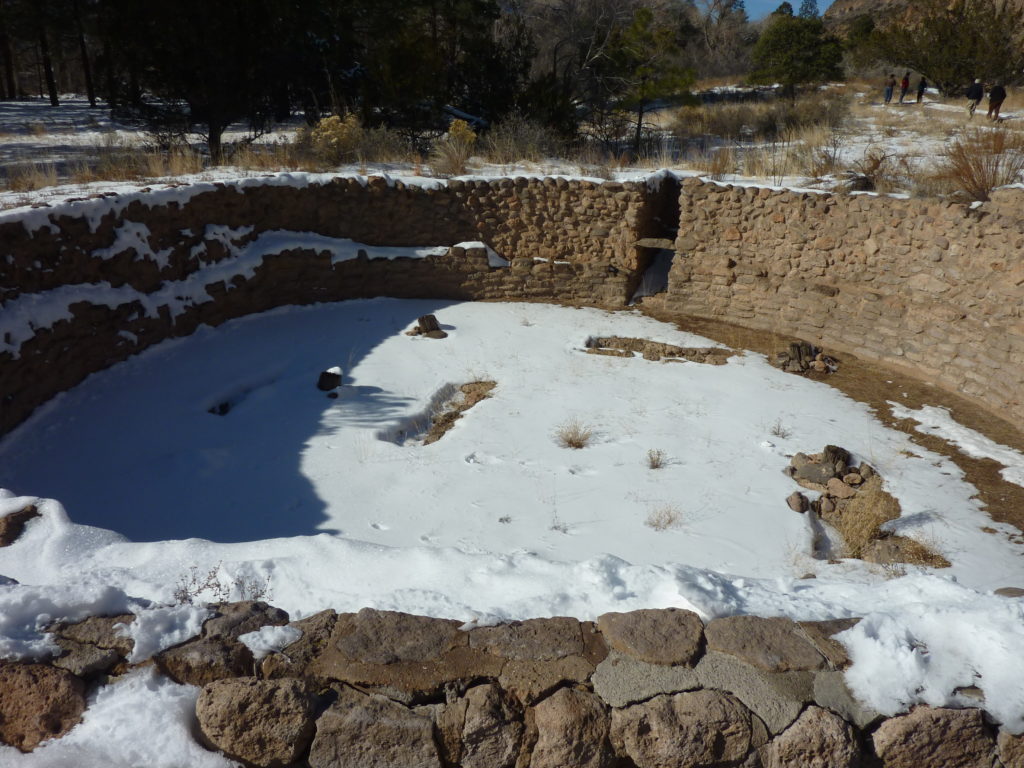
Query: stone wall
[564,241]
[933,288]
[643,689]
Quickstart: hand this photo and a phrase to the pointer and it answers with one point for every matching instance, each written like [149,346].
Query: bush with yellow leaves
[336,139]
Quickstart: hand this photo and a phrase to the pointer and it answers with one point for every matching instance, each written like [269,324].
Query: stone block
[671,636]
[621,680]
[775,697]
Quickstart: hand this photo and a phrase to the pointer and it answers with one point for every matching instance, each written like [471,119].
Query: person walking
[921,85]
[904,86]
[890,85]
[996,97]
[975,93]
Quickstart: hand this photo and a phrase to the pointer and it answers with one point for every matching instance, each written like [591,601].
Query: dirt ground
[874,385]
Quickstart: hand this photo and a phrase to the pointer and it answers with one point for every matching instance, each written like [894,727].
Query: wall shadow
[136,449]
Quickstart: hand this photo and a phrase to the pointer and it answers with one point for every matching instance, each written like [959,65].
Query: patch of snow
[270,639]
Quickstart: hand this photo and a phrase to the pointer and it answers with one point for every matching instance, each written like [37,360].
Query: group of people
[975,93]
[996,97]
[890,87]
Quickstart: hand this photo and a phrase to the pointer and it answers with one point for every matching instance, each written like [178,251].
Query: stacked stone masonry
[565,241]
[645,689]
[933,288]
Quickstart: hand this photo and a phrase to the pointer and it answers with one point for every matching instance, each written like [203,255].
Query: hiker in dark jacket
[921,85]
[975,93]
[996,97]
[904,86]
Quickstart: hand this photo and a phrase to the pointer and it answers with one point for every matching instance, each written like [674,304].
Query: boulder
[798,502]
[952,738]
[410,658]
[387,637]
[316,633]
[818,739]
[832,692]
[234,619]
[12,525]
[773,644]
[360,731]
[775,697]
[530,681]
[37,702]
[102,632]
[84,660]
[671,636]
[530,640]
[261,722]
[840,490]
[572,730]
[621,680]
[812,469]
[698,729]
[493,729]
[329,379]
[820,633]
[1010,749]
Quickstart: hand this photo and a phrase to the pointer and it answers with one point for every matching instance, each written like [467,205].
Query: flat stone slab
[671,636]
[774,645]
[533,639]
[776,697]
[621,680]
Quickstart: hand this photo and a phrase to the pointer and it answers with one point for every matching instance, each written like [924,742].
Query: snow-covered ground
[325,503]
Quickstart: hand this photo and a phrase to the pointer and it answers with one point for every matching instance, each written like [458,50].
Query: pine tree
[793,51]
[808,9]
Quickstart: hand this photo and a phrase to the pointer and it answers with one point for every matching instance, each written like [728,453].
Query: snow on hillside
[338,503]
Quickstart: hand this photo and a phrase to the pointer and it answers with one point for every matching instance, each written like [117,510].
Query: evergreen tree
[793,51]
[784,9]
[952,43]
[808,9]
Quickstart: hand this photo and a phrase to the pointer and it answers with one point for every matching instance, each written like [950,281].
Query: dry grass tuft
[861,519]
[982,159]
[27,178]
[574,434]
[663,518]
[469,395]
[655,458]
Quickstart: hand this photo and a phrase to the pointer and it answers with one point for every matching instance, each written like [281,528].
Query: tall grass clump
[26,178]
[760,120]
[982,159]
[515,138]
[450,154]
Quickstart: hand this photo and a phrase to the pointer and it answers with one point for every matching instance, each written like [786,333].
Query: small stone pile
[802,357]
[829,473]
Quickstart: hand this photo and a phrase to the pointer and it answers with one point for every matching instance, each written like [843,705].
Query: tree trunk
[7,56]
[639,128]
[51,82]
[214,142]
[90,89]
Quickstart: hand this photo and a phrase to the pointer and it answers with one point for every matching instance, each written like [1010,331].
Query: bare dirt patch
[619,346]
[876,385]
[469,395]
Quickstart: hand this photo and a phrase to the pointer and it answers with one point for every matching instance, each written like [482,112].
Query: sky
[758,9]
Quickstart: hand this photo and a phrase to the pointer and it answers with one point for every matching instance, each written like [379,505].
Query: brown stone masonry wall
[934,288]
[646,688]
[567,241]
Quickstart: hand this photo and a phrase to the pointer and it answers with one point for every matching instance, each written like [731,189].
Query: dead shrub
[517,138]
[861,518]
[451,153]
[717,163]
[655,458]
[982,159]
[664,517]
[574,434]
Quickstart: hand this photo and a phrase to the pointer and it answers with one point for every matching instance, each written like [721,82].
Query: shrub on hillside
[451,153]
[336,140]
